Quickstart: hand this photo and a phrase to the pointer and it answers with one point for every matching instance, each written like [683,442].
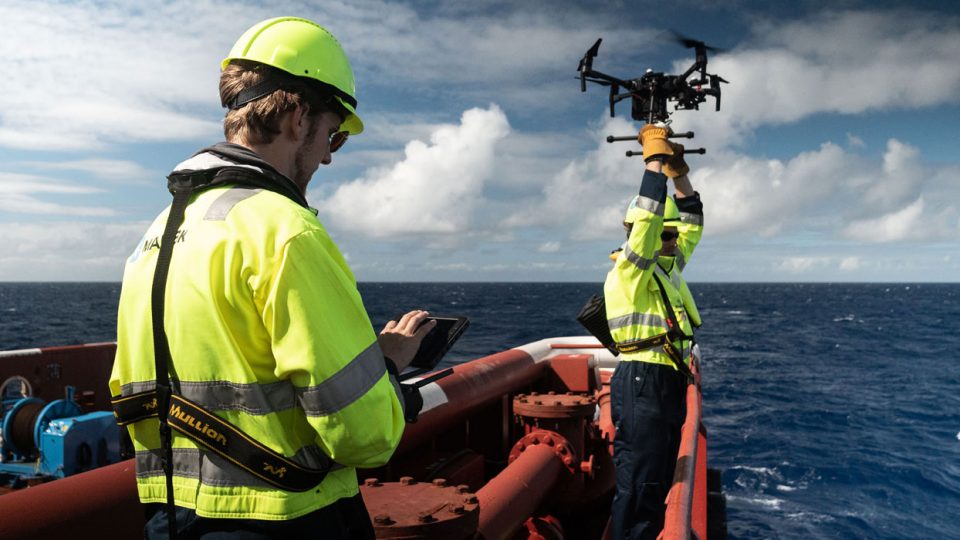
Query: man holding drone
[651,315]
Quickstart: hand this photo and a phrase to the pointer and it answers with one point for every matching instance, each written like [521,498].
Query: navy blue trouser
[648,406]
[346,519]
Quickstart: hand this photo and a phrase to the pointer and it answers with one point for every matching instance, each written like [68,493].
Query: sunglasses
[337,140]
[666,236]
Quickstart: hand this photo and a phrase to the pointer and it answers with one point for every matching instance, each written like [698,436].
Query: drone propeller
[691,43]
[592,52]
[586,64]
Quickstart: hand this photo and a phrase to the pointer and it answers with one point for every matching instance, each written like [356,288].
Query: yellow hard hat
[671,214]
[306,50]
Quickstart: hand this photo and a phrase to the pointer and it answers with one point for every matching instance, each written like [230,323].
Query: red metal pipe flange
[554,405]
[412,509]
[550,439]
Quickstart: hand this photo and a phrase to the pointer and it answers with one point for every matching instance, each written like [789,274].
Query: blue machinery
[44,441]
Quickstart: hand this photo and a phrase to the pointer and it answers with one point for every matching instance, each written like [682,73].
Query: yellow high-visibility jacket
[266,330]
[635,308]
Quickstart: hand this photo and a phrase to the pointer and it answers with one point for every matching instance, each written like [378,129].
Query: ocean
[832,409]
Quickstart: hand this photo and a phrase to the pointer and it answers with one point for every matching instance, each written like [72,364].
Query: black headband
[275,81]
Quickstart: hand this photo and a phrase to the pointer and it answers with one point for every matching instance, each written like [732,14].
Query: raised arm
[688,202]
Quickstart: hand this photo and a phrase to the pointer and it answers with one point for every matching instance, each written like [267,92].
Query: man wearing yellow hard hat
[651,316]
[247,370]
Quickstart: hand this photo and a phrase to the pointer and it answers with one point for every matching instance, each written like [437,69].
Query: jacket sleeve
[324,344]
[636,262]
[690,228]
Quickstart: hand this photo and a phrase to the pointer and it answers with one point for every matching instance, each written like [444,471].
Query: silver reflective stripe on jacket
[636,259]
[645,319]
[651,205]
[221,207]
[328,397]
[345,386]
[692,219]
[213,470]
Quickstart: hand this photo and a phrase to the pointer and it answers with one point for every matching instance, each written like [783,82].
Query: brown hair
[258,121]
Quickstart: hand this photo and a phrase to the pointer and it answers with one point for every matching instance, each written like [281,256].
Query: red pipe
[471,387]
[508,499]
[680,499]
[96,504]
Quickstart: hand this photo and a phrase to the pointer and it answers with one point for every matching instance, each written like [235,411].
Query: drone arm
[714,90]
[603,77]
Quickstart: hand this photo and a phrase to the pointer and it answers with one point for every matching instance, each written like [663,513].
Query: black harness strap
[183,185]
[161,348]
[675,333]
[665,339]
[222,438]
[643,344]
[135,407]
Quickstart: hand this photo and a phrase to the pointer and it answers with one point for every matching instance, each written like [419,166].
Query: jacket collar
[226,154]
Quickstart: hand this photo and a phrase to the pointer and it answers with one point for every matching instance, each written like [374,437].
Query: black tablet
[439,340]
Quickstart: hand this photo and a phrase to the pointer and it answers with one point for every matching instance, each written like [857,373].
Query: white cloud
[890,227]
[800,265]
[25,204]
[906,201]
[855,142]
[18,184]
[827,190]
[106,169]
[749,194]
[515,56]
[837,62]
[549,247]
[850,264]
[19,194]
[434,189]
[100,73]
[588,196]
[901,179]
[103,73]
[92,251]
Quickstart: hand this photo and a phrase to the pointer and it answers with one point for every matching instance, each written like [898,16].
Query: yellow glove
[655,143]
[674,165]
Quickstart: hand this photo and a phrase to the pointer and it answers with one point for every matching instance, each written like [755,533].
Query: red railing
[686,515]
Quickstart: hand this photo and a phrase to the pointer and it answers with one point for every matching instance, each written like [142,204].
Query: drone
[652,91]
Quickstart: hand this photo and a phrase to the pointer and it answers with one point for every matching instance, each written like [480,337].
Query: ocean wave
[772,503]
[810,517]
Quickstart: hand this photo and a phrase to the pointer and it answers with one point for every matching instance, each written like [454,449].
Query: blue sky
[834,157]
